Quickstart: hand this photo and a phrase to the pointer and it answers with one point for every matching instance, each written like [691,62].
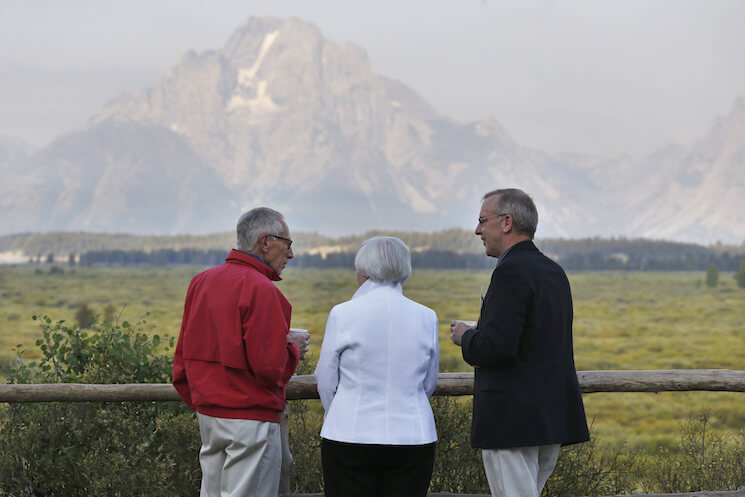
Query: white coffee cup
[301,333]
[304,336]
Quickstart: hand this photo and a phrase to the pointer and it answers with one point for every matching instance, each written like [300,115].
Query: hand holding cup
[457,328]
[301,338]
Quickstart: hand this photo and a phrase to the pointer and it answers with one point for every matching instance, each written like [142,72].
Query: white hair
[384,258]
[256,222]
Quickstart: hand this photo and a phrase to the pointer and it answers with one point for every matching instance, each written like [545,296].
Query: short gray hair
[256,222]
[384,258]
[520,206]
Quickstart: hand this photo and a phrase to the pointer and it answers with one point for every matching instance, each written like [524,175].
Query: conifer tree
[740,276]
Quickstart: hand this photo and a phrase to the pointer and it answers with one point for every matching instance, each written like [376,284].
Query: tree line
[431,259]
[459,241]
[447,249]
[596,260]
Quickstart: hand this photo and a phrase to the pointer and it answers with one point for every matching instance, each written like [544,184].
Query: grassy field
[622,321]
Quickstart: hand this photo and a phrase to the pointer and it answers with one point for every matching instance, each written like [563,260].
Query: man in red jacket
[235,354]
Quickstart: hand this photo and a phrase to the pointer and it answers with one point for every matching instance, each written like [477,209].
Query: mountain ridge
[281,116]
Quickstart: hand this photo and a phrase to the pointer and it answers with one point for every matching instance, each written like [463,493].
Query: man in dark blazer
[527,402]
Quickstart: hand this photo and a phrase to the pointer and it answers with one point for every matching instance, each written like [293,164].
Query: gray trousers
[519,471]
[239,457]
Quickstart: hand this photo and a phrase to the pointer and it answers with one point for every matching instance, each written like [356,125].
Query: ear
[507,224]
[263,244]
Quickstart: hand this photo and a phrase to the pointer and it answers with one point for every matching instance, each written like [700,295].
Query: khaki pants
[519,471]
[239,457]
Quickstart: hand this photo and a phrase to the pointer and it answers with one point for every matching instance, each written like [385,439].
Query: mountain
[280,116]
[13,151]
[290,119]
[704,196]
[109,177]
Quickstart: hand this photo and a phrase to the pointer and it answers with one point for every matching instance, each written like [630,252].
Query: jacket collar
[522,246]
[371,286]
[244,259]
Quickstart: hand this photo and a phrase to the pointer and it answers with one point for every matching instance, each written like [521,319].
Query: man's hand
[457,328]
[301,338]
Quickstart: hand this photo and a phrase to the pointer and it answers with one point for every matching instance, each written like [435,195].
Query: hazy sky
[588,76]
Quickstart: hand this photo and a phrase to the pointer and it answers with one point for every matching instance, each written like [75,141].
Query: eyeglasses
[288,242]
[482,220]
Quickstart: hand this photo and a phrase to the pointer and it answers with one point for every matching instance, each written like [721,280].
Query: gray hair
[519,205]
[384,258]
[256,222]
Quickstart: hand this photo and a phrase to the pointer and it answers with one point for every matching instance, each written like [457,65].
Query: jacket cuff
[465,343]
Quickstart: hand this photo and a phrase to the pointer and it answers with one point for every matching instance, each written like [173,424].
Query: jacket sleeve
[433,370]
[294,359]
[497,337]
[327,369]
[270,357]
[180,381]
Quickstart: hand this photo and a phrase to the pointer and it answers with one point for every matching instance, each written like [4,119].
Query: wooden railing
[448,384]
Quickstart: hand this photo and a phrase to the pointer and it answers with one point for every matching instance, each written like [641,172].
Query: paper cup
[302,333]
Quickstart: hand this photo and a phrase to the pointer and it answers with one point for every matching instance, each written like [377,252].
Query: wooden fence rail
[448,384]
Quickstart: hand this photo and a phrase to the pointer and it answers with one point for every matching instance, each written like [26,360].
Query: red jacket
[233,359]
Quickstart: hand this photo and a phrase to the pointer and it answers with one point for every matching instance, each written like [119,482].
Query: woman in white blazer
[377,369]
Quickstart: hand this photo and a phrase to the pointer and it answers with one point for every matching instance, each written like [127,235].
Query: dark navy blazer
[525,389]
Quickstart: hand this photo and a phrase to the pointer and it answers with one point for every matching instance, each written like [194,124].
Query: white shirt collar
[370,286]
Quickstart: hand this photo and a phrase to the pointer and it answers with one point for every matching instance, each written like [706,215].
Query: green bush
[305,421]
[703,461]
[83,449]
[85,316]
[458,467]
[712,276]
[592,469]
[109,314]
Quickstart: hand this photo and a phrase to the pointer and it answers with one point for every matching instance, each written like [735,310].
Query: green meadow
[623,320]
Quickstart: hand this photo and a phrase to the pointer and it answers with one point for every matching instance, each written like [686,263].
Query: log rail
[448,384]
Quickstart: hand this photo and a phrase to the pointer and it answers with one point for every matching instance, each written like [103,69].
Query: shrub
[85,316]
[109,314]
[458,467]
[704,461]
[712,276]
[305,421]
[82,449]
[592,469]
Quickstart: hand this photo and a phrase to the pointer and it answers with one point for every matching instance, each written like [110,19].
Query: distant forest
[449,249]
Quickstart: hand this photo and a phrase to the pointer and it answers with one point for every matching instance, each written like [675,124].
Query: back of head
[256,222]
[384,258]
[519,206]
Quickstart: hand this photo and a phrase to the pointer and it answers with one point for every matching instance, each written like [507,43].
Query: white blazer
[378,367]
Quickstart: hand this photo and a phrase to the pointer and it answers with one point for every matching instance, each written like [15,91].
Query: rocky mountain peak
[281,116]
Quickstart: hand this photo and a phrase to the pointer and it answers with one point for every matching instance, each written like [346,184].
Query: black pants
[368,470]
